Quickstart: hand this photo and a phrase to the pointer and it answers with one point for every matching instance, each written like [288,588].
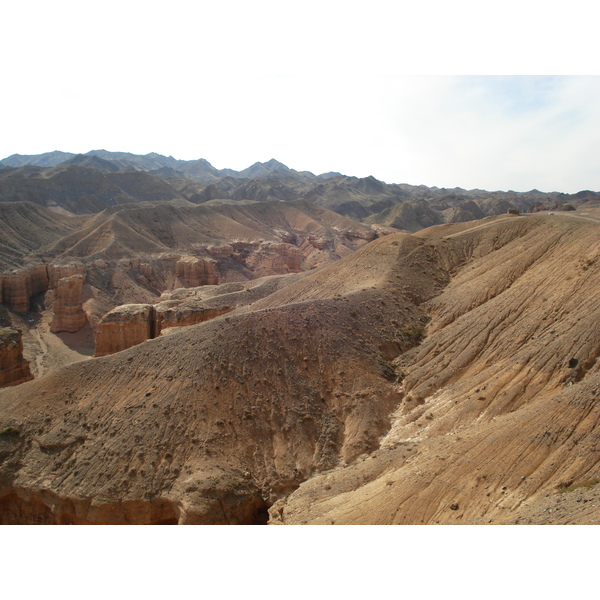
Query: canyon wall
[132,324]
[56,272]
[20,286]
[68,310]
[193,272]
[177,314]
[123,327]
[14,369]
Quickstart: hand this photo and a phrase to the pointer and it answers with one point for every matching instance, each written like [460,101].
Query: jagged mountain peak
[93,162]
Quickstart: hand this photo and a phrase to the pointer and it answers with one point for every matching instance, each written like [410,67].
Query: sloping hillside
[132,253]
[500,401]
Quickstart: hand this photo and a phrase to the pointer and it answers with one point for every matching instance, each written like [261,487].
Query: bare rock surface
[123,327]
[14,369]
[21,285]
[193,272]
[68,305]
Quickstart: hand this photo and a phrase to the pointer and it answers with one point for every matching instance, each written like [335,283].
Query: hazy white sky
[364,88]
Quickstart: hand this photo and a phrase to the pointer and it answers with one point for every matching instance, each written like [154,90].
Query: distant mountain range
[109,162]
[91,182]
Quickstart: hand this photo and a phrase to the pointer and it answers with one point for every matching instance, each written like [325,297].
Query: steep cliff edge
[68,305]
[14,369]
[123,327]
[21,285]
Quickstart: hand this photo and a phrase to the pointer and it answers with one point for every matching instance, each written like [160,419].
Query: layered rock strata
[69,315]
[132,324]
[60,271]
[123,327]
[21,285]
[177,314]
[272,258]
[14,369]
[193,272]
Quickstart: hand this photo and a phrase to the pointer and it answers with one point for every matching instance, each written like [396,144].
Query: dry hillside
[133,253]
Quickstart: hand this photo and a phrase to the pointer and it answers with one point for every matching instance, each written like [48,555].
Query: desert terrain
[183,345]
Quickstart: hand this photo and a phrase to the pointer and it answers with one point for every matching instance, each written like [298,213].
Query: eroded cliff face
[180,314]
[273,258]
[123,327]
[185,306]
[132,324]
[193,272]
[14,369]
[68,310]
[21,285]
[59,271]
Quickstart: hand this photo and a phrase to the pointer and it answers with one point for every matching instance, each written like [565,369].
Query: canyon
[236,351]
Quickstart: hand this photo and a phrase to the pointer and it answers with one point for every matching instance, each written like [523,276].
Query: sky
[440,94]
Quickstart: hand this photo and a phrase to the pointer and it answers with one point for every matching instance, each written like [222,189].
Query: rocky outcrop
[220,251]
[21,285]
[14,369]
[273,258]
[69,315]
[123,327]
[193,272]
[132,324]
[60,271]
[179,314]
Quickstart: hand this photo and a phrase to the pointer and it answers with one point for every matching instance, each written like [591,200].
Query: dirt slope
[26,227]
[500,402]
[214,422]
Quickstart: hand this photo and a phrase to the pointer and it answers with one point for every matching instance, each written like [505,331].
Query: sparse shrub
[414,333]
[387,370]
[10,431]
[569,486]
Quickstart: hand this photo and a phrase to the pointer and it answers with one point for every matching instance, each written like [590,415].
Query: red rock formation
[14,369]
[179,314]
[68,309]
[272,258]
[21,285]
[123,327]
[193,272]
[58,272]
[222,251]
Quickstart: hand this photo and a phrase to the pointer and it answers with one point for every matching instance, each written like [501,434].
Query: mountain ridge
[88,183]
